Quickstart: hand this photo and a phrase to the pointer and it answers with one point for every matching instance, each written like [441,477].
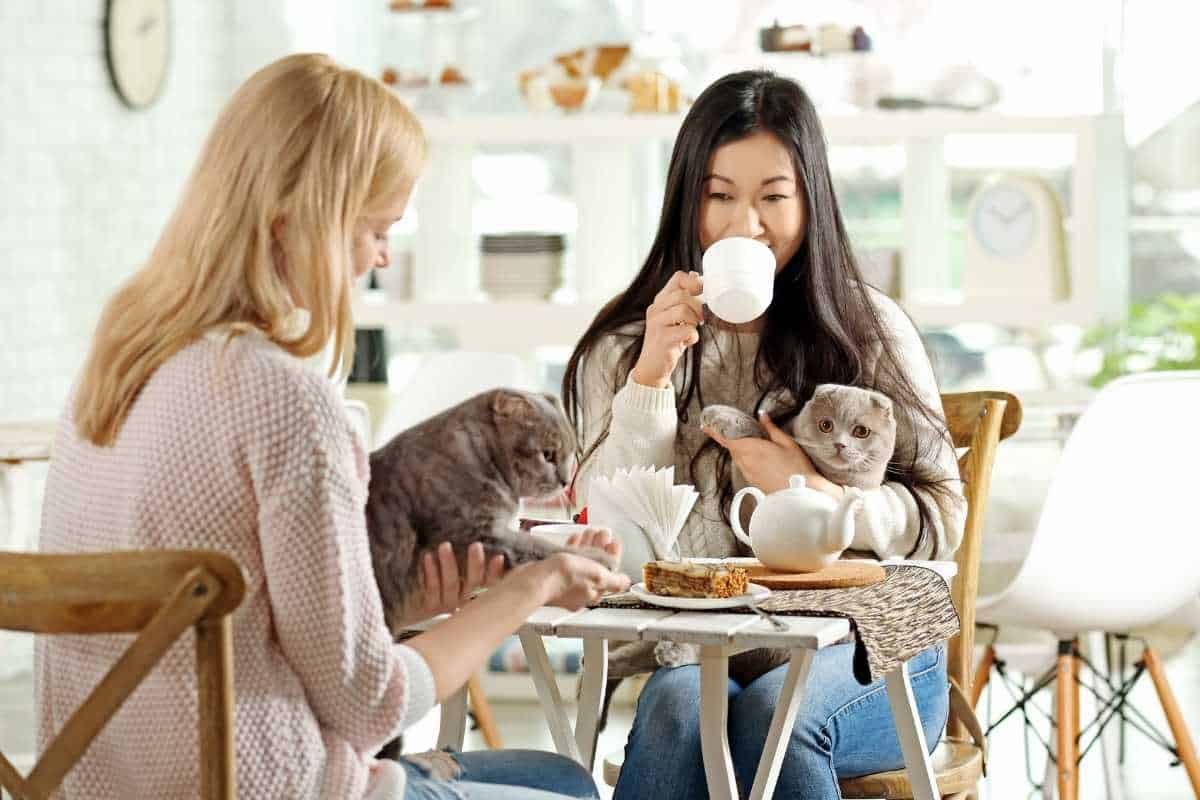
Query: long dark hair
[821,324]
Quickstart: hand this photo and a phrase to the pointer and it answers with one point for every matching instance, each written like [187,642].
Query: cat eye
[860,432]
[825,426]
[548,455]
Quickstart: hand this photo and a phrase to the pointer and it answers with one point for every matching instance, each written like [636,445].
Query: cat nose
[839,446]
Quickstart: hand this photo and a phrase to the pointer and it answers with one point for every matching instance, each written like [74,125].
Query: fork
[776,623]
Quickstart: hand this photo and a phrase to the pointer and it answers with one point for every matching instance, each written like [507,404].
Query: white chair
[440,381]
[443,379]
[1116,544]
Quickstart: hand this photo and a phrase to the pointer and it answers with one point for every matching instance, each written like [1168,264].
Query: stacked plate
[521,266]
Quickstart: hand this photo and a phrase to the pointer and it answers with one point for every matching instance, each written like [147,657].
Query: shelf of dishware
[617,164]
[868,126]
[519,327]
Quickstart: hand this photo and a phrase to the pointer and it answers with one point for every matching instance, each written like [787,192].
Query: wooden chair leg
[1183,740]
[1068,731]
[214,665]
[483,713]
[983,673]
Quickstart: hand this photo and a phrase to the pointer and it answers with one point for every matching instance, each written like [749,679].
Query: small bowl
[574,95]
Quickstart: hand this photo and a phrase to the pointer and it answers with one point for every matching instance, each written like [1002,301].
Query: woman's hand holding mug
[672,323]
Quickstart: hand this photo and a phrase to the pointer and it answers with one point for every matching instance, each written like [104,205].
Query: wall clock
[137,35]
[1015,245]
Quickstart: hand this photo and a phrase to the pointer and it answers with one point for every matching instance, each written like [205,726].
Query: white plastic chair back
[447,378]
[1118,540]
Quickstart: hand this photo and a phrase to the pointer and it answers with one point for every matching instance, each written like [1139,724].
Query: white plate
[756,594]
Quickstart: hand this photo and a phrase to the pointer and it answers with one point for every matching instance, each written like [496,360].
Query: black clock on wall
[137,35]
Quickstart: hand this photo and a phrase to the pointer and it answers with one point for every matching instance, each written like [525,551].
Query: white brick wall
[86,183]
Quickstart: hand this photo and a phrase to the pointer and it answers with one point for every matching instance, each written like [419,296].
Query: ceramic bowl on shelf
[521,266]
[574,94]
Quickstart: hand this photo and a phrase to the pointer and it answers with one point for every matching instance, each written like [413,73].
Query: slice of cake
[692,579]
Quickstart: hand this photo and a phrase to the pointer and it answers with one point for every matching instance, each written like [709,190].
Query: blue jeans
[504,775]
[843,729]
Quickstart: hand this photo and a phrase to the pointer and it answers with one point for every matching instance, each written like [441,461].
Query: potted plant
[1160,334]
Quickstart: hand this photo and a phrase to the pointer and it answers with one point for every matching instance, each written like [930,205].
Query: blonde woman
[195,424]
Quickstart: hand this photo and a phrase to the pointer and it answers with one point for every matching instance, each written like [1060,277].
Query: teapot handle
[736,519]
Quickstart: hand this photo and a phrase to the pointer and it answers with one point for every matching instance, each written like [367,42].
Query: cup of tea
[739,279]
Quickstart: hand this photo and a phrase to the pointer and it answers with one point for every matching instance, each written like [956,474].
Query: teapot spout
[840,533]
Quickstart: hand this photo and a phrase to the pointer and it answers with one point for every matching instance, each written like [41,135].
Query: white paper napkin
[649,498]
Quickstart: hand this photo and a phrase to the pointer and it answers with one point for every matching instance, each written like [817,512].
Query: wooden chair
[978,422]
[157,594]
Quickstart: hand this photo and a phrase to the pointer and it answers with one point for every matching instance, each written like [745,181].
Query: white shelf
[493,327]
[1015,312]
[502,327]
[615,169]
[870,126]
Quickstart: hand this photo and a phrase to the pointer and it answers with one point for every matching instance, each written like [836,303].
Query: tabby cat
[458,478]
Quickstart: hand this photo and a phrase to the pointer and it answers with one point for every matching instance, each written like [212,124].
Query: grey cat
[848,432]
[457,478]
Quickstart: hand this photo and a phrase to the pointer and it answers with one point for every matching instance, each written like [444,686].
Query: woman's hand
[672,323]
[768,463]
[571,581]
[599,538]
[442,590]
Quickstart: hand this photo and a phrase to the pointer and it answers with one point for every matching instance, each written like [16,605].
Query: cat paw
[731,423]
[674,654]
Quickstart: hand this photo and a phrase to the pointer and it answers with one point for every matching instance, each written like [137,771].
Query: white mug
[739,279]
[557,532]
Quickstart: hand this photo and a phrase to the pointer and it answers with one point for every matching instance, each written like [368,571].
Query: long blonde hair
[303,140]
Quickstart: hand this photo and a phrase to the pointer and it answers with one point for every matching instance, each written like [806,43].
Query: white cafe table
[20,443]
[719,635]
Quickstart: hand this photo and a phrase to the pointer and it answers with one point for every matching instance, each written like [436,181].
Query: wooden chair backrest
[157,594]
[978,422]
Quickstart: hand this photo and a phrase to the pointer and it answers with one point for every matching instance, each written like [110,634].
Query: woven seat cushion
[957,764]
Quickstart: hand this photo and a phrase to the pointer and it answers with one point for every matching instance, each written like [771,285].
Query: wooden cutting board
[838,575]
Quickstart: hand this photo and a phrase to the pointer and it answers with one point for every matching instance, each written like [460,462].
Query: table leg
[547,689]
[453,728]
[714,722]
[591,699]
[782,722]
[15,493]
[911,734]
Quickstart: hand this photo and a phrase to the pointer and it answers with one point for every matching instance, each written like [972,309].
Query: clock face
[1005,220]
[139,47]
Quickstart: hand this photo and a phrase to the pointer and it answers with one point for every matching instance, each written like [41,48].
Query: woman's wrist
[640,378]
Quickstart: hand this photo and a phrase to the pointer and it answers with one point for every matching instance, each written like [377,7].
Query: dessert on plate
[694,579]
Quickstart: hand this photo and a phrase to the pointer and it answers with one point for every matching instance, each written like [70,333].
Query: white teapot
[797,529]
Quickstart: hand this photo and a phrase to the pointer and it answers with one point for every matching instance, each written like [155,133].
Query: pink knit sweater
[248,453]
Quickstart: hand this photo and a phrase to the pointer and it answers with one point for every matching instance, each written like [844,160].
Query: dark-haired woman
[750,161]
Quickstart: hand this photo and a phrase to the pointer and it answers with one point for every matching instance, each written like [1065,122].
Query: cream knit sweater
[646,430]
[249,453]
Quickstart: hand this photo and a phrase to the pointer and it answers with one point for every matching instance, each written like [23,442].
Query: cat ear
[882,402]
[824,389]
[509,404]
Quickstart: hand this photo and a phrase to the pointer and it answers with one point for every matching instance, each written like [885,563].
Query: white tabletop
[26,440]
[699,627]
